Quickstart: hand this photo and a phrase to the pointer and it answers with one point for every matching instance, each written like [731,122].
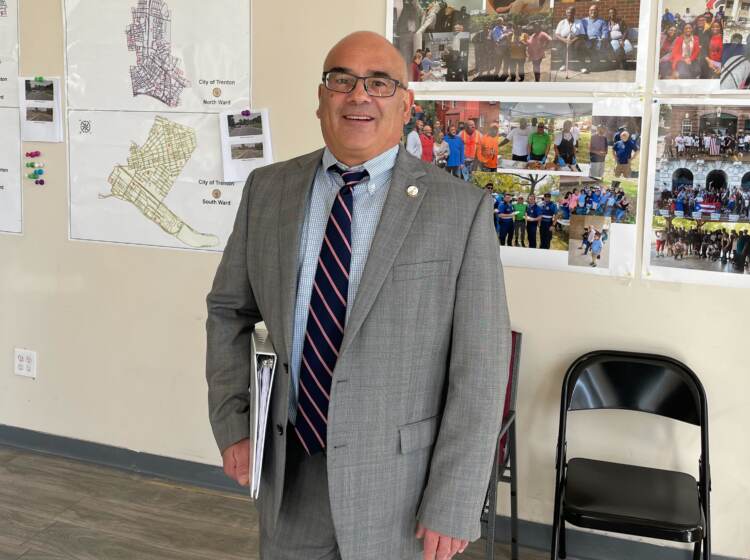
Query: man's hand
[438,546]
[237,462]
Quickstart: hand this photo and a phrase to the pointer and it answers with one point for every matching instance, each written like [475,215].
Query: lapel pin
[412,191]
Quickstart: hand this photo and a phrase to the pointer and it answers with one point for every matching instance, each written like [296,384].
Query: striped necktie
[326,318]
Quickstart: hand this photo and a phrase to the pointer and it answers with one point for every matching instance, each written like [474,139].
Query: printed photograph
[735,58]
[589,241]
[39,114]
[549,136]
[691,40]
[458,136]
[240,125]
[714,246]
[39,91]
[702,166]
[615,147]
[247,151]
[474,40]
[595,41]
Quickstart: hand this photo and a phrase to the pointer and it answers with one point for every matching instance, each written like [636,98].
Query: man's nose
[359,94]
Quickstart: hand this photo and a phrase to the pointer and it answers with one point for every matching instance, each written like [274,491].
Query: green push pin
[31,176]
[30,164]
[39,79]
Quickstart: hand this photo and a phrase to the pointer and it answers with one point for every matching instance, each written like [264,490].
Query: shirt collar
[377,168]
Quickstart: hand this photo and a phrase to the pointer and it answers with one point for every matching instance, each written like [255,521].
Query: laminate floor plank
[63,541]
[54,508]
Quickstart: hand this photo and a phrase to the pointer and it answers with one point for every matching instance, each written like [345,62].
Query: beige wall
[120,330]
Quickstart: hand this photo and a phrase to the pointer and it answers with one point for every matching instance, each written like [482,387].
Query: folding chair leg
[513,493]
[563,552]
[492,510]
[697,550]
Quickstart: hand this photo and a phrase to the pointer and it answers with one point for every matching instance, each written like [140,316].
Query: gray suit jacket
[419,385]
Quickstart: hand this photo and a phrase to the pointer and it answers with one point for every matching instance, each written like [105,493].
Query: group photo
[517,40]
[703,162]
[545,136]
[691,39]
[458,136]
[589,241]
[594,41]
[615,147]
[700,245]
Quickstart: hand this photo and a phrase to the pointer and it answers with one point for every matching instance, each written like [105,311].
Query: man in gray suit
[379,279]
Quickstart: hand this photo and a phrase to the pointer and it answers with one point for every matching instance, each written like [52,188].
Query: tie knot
[350,177]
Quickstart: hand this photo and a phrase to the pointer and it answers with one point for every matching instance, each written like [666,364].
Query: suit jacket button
[280,429]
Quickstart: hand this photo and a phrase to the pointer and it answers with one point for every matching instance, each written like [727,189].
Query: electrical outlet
[24,362]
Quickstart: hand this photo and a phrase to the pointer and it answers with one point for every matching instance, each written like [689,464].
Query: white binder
[264,366]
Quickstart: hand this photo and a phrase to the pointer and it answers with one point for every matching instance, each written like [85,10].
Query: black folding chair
[631,499]
[504,467]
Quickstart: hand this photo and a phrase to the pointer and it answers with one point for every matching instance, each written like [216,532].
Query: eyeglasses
[376,86]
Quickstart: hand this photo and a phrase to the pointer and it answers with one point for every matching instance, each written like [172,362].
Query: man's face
[593,11]
[570,13]
[700,22]
[493,131]
[419,125]
[532,199]
[357,127]
[612,14]
[452,130]
[470,127]
[540,129]
[602,131]
[507,198]
[523,123]
[427,131]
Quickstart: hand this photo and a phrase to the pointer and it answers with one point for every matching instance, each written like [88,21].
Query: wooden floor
[57,509]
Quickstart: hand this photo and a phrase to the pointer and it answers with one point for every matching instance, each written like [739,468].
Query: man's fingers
[242,462]
[420,530]
[430,545]
[455,546]
[444,548]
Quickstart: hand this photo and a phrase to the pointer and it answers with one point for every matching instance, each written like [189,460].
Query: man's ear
[408,102]
[320,95]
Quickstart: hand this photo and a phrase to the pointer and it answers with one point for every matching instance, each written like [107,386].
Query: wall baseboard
[178,470]
[581,545]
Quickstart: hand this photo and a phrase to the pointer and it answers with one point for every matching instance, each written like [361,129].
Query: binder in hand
[264,366]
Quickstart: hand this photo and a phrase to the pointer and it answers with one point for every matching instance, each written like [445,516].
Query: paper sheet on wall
[8,53]
[149,179]
[561,147]
[523,45]
[698,195]
[245,142]
[41,109]
[146,78]
[10,172]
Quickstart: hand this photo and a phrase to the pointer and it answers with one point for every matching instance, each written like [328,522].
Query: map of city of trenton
[156,72]
[150,174]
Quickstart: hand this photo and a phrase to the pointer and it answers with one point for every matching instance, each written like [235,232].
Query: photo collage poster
[698,199]
[563,173]
[522,45]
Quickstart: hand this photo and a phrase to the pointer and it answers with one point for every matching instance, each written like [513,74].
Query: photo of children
[544,135]
[589,241]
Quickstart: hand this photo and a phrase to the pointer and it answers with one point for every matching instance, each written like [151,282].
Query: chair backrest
[633,381]
[511,389]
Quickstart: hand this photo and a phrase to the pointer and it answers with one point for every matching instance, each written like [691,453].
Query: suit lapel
[297,183]
[395,222]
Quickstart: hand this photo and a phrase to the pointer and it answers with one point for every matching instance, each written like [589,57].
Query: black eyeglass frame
[364,79]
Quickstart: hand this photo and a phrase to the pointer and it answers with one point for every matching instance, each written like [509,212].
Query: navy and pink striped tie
[326,318]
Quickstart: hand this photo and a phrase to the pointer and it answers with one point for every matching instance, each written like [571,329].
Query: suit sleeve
[477,379]
[232,314]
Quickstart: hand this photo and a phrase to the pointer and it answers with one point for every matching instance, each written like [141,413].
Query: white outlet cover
[24,362]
